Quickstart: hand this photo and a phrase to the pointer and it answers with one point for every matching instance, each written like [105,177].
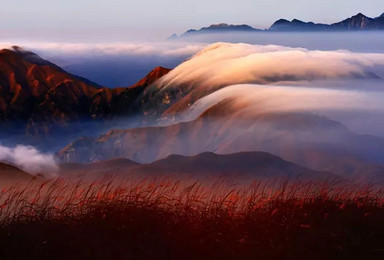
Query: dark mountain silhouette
[297,25]
[358,22]
[222,27]
[243,165]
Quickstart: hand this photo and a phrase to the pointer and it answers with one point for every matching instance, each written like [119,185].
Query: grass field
[173,219]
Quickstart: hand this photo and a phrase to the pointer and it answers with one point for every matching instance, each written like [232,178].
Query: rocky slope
[41,97]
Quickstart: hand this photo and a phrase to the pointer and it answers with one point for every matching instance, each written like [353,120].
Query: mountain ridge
[358,22]
[333,147]
[10,173]
[38,95]
[242,165]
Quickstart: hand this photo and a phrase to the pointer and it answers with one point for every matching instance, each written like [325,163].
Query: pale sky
[128,19]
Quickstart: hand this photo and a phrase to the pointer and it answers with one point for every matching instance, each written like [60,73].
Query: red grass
[168,219]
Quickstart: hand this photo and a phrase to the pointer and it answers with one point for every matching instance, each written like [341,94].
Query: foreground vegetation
[169,219]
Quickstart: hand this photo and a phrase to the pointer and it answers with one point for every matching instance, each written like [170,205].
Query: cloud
[29,159]
[223,64]
[112,64]
[342,85]
[258,99]
[167,49]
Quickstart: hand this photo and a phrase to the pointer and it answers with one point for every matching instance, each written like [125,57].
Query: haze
[103,20]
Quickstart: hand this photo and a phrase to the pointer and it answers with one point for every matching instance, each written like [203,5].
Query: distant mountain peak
[281,21]
[225,25]
[360,14]
[296,25]
[356,22]
[26,55]
[297,21]
[221,27]
[152,76]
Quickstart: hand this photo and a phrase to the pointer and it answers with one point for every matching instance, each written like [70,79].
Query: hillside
[237,166]
[11,174]
[39,96]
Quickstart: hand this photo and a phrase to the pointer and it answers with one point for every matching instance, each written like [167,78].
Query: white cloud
[224,64]
[258,99]
[168,49]
[276,79]
[29,159]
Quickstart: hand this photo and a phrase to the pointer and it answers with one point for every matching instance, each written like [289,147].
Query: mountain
[358,22]
[306,139]
[41,97]
[205,165]
[297,25]
[95,170]
[9,173]
[217,28]
[237,165]
[206,111]
[222,27]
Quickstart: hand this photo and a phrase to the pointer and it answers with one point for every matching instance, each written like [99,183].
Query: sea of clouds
[343,85]
[111,64]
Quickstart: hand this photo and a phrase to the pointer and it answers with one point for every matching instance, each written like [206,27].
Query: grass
[174,219]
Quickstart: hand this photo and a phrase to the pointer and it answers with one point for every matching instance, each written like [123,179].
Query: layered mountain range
[192,118]
[241,166]
[358,22]
[205,119]
[313,141]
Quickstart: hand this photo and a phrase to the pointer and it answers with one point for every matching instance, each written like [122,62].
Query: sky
[71,20]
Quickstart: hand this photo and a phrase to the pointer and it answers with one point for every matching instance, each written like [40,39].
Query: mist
[353,41]
[111,64]
[123,63]
[360,111]
[223,64]
[29,159]
[311,107]
[342,85]
[236,97]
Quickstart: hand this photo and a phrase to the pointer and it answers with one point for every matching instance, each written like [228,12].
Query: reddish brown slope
[154,75]
[42,95]
[11,174]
